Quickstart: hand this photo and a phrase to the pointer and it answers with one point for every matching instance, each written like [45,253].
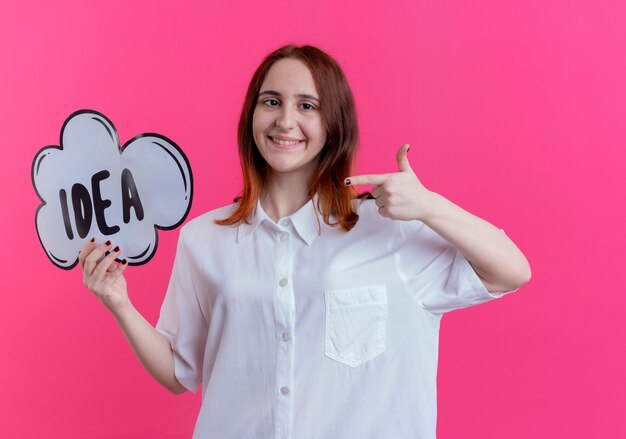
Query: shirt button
[284,390]
[284,223]
[284,237]
[286,336]
[283,282]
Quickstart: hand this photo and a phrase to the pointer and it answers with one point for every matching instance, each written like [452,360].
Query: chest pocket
[356,324]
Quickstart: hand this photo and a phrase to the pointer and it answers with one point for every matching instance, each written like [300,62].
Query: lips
[285,143]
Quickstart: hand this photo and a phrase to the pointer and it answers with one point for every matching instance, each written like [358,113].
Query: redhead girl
[303,309]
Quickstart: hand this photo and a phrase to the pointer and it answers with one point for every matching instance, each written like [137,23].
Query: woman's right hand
[103,276]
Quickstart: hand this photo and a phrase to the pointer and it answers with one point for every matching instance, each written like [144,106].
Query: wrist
[433,205]
[124,312]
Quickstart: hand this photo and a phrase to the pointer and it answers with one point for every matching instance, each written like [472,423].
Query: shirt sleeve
[181,320]
[437,275]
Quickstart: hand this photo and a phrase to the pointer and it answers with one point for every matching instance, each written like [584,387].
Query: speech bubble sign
[89,187]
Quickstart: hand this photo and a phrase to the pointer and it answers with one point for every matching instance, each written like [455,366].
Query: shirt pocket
[356,324]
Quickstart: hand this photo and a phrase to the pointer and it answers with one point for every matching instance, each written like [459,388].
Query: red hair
[336,157]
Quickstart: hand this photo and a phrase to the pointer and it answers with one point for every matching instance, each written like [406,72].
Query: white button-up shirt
[300,330]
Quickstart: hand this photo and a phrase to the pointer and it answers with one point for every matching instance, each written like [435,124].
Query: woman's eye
[308,106]
[271,102]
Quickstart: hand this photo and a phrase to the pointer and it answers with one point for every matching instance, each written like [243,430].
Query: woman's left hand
[399,195]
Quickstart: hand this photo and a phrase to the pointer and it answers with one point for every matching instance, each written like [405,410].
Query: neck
[284,195]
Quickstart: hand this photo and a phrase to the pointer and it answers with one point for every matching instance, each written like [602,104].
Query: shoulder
[370,219]
[396,234]
[204,226]
[367,210]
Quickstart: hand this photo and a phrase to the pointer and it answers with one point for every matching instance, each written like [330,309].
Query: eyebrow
[275,93]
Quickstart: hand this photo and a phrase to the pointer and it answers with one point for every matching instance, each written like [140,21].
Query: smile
[285,144]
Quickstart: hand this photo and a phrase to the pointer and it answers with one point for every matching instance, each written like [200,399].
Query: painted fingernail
[347,182]
[93,239]
[124,261]
[108,243]
[116,249]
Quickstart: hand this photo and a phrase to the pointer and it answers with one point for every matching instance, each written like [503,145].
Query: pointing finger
[368,179]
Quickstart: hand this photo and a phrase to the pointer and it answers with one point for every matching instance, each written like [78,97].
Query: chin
[283,169]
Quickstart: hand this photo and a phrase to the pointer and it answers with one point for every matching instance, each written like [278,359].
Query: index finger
[367,179]
[85,251]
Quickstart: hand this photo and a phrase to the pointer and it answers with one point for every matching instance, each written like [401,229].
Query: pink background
[514,110]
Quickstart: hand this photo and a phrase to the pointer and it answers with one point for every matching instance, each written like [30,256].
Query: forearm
[495,258]
[151,348]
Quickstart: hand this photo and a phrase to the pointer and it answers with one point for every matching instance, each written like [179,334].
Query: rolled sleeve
[181,320]
[437,275]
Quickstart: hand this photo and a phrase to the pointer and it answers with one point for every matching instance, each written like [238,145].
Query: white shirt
[301,330]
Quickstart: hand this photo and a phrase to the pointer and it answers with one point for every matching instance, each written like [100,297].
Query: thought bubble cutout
[89,146]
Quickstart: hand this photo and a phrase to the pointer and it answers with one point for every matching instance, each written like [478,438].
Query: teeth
[285,142]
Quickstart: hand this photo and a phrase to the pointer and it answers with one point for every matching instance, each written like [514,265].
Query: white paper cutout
[90,187]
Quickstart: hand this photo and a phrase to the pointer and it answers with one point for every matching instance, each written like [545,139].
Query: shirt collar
[307,221]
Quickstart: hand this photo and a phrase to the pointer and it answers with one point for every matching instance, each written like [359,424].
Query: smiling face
[287,124]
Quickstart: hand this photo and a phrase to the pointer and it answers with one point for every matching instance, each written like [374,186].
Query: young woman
[304,310]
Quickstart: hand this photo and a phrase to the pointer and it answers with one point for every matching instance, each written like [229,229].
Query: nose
[286,118]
